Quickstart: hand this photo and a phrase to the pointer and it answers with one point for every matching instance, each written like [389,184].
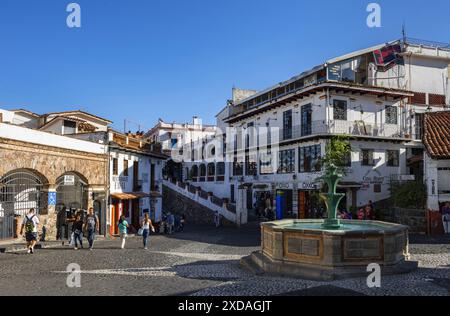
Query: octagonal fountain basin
[304,249]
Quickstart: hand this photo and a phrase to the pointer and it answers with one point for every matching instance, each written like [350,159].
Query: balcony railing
[355,128]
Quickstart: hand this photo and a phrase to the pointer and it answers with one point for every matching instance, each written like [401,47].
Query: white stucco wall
[47,139]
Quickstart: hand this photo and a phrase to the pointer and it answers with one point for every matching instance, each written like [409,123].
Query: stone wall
[415,219]
[195,213]
[50,163]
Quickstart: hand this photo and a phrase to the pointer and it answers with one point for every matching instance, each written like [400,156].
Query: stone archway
[72,191]
[20,191]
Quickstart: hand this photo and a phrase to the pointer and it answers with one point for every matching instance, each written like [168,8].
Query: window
[287,125]
[238,167]
[251,167]
[393,158]
[340,110]
[211,171]
[265,163]
[367,157]
[306,120]
[346,161]
[115,166]
[202,173]
[287,161]
[220,169]
[377,188]
[194,173]
[125,168]
[391,115]
[310,159]
[70,127]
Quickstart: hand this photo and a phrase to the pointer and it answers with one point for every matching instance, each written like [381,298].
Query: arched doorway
[211,172]
[20,190]
[194,173]
[202,173]
[71,192]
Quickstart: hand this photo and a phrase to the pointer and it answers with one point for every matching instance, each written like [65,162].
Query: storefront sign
[69,180]
[373,180]
[309,186]
[283,186]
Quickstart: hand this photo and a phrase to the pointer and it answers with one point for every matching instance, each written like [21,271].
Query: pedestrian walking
[146,226]
[123,230]
[217,219]
[91,226]
[182,222]
[30,224]
[77,230]
[446,218]
[62,221]
[171,222]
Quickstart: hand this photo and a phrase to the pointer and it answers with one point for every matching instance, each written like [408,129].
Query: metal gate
[71,192]
[19,192]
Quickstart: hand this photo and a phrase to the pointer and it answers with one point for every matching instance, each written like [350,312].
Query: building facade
[274,140]
[47,172]
[135,180]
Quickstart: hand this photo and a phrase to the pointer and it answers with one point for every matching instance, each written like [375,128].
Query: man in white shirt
[30,224]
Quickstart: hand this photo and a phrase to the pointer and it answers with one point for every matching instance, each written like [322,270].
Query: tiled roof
[437,135]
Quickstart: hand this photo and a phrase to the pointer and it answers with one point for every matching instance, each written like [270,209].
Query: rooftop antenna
[404,32]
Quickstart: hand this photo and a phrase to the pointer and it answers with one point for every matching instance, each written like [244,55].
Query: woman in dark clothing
[77,229]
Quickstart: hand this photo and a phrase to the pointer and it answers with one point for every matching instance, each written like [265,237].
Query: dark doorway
[135,213]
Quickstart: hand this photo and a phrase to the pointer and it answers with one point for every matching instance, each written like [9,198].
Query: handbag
[140,232]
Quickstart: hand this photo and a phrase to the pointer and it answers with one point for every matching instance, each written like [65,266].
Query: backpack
[29,225]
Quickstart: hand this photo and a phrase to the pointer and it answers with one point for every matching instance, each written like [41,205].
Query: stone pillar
[241,207]
[49,217]
[90,201]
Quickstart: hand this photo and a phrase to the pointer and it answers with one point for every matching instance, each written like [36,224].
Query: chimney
[196,121]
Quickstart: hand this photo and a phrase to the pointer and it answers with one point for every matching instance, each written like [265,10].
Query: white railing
[208,203]
[360,128]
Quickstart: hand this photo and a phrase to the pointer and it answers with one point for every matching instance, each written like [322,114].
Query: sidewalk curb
[21,246]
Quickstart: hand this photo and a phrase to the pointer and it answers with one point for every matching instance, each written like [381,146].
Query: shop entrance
[284,204]
[309,205]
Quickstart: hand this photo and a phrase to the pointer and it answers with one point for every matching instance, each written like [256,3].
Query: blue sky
[146,59]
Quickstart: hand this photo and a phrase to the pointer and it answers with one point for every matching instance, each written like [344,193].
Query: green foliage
[337,151]
[409,195]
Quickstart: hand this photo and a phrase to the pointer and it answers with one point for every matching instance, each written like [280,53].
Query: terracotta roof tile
[437,135]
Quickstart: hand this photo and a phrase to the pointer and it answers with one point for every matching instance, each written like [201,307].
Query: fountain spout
[331,199]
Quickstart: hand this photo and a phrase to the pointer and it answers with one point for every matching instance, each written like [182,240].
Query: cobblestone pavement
[200,261]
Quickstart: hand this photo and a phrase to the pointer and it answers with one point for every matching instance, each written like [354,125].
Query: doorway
[135,214]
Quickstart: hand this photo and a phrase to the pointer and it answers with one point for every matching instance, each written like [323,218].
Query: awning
[130,196]
[349,185]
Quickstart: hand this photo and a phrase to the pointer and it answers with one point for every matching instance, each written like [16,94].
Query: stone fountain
[332,248]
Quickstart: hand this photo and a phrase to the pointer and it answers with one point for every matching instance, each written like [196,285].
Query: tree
[337,152]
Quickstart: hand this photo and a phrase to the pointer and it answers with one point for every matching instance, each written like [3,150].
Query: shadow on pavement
[227,236]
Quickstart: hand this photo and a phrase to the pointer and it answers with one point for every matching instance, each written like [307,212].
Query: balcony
[337,127]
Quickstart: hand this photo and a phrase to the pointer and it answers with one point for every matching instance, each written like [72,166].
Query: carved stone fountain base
[302,249]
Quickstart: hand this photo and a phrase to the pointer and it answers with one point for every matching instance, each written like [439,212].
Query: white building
[173,136]
[437,159]
[376,97]
[135,180]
